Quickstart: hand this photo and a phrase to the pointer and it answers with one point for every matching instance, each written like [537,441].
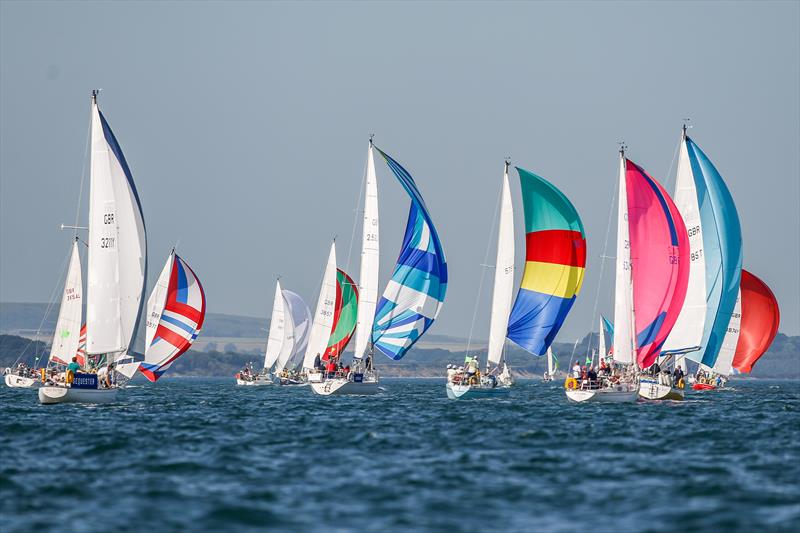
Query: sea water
[203,454]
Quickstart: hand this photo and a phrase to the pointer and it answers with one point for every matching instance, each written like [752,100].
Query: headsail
[323,316]
[370,260]
[414,296]
[659,251]
[277,329]
[503,276]
[299,316]
[66,338]
[180,321]
[117,246]
[760,319]
[724,362]
[554,264]
[344,315]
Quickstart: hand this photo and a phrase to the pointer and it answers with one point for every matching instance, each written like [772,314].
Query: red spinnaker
[760,319]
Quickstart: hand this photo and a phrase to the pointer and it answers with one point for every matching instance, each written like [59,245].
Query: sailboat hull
[465,392]
[53,394]
[340,387]
[18,382]
[603,395]
[653,390]
[703,386]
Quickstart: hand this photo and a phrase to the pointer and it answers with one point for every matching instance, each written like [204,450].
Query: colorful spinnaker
[554,266]
[344,315]
[761,317]
[659,261]
[715,241]
[176,310]
[414,296]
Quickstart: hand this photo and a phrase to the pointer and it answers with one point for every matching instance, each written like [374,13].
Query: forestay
[415,293]
[180,320]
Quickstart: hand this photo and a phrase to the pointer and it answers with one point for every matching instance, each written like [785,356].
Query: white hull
[19,382]
[52,394]
[603,395]
[258,382]
[341,387]
[652,390]
[464,392]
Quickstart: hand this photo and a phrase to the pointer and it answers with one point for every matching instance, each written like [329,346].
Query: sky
[246,128]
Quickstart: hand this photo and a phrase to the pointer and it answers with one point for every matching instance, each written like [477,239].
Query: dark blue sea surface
[202,454]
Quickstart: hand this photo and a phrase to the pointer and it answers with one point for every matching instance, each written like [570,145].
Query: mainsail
[370,258]
[623,286]
[724,362]
[503,276]
[323,316]
[277,329]
[414,296]
[66,338]
[715,241]
[117,258]
[659,258]
[344,315]
[180,318]
[554,266]
[759,322]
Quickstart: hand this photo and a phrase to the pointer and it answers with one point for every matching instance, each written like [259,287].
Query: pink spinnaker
[659,259]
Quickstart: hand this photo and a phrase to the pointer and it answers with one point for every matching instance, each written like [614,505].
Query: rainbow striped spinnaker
[554,264]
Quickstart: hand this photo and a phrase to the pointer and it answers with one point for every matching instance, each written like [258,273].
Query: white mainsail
[503,291]
[117,246]
[298,316]
[155,304]
[277,329]
[724,363]
[551,367]
[323,316]
[68,327]
[370,260]
[688,329]
[623,292]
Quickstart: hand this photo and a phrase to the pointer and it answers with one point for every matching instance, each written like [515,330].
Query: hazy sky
[246,127]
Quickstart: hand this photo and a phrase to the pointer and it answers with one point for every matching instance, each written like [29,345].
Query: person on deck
[72,368]
[331,368]
[104,375]
[317,363]
[576,371]
[451,372]
[592,375]
[677,375]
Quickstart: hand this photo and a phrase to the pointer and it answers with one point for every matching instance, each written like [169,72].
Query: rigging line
[83,175]
[47,310]
[667,179]
[483,271]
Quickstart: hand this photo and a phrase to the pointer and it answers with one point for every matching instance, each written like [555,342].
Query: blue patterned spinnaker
[415,292]
[722,246]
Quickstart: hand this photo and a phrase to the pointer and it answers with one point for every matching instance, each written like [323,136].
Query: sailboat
[554,269]
[276,341]
[363,377]
[552,365]
[175,315]
[66,336]
[701,333]
[760,319]
[116,267]
[652,271]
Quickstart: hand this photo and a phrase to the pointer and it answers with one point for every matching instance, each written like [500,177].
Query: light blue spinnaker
[416,291]
[722,247]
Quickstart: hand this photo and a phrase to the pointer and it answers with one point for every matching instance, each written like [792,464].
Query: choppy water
[204,454]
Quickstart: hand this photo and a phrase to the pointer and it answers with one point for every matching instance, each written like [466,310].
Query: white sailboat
[275,343]
[323,321]
[462,386]
[552,366]
[624,350]
[116,266]
[297,317]
[363,379]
